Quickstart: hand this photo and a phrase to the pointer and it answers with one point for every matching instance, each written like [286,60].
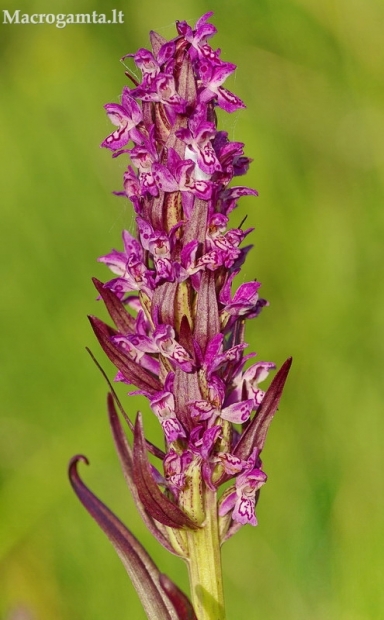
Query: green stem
[204,565]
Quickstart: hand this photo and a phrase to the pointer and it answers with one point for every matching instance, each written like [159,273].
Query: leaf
[160,454]
[254,436]
[172,212]
[196,226]
[134,373]
[186,338]
[163,303]
[180,601]
[154,501]
[124,452]
[124,322]
[186,389]
[207,313]
[143,572]
[187,83]
[156,41]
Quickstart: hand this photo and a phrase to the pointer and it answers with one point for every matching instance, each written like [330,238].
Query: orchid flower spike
[179,325]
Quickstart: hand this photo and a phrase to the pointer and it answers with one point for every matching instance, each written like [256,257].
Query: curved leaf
[144,574]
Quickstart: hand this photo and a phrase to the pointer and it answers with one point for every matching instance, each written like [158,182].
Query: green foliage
[311,75]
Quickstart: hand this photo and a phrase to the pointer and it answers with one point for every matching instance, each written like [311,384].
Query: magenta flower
[179,326]
[242,498]
[126,116]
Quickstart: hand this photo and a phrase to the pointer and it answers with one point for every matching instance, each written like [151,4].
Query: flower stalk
[204,565]
[179,329]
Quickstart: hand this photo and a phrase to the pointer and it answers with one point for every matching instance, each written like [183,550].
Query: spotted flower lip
[242,498]
[198,138]
[126,116]
[178,338]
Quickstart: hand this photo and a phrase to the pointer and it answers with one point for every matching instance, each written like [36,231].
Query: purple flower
[180,176]
[162,89]
[126,117]
[198,137]
[198,37]
[163,405]
[129,266]
[179,322]
[212,75]
[242,498]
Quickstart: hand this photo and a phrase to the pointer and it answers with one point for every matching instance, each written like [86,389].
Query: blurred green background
[311,74]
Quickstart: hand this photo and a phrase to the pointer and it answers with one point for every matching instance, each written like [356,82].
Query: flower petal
[238,413]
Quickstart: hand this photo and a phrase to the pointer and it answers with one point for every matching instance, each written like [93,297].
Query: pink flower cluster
[179,324]
[182,341]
